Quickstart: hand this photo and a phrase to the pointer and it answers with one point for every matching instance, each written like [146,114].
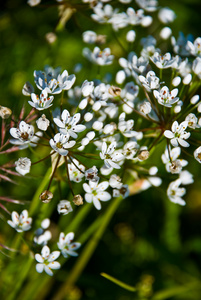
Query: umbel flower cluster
[103,135]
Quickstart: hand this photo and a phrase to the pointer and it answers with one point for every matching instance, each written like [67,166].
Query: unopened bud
[114,90]
[101,39]
[143,155]
[176,167]
[5,112]
[50,37]
[46,196]
[78,200]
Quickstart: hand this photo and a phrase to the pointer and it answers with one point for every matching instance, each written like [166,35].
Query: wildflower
[78,200]
[92,174]
[66,245]
[5,112]
[115,181]
[197,154]
[42,102]
[23,165]
[178,135]
[150,82]
[96,192]
[24,135]
[195,48]
[110,156]
[20,222]
[60,143]
[27,89]
[166,15]
[33,2]
[43,123]
[99,57]
[42,236]
[76,171]
[174,192]
[46,261]
[163,61]
[46,196]
[165,97]
[64,207]
[145,107]
[192,121]
[68,125]
[173,161]
[122,191]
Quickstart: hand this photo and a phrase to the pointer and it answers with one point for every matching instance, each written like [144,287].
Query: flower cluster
[103,135]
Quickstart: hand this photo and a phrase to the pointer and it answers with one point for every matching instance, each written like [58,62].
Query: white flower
[43,123]
[178,135]
[76,171]
[92,174]
[20,222]
[64,207]
[130,149]
[65,81]
[23,165]
[27,89]
[165,97]
[99,57]
[87,88]
[46,261]
[60,143]
[24,135]
[175,193]
[166,15]
[174,154]
[33,2]
[130,36]
[186,177]
[89,37]
[122,191]
[195,48]
[197,154]
[192,121]
[110,156]
[103,13]
[196,67]
[148,5]
[145,107]
[150,82]
[125,127]
[165,33]
[68,125]
[66,245]
[163,61]
[96,192]
[115,181]
[43,236]
[41,102]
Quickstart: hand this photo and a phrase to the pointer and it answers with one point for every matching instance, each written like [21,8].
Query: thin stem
[88,250]
[53,173]
[68,176]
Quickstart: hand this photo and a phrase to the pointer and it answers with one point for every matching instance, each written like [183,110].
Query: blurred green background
[150,242]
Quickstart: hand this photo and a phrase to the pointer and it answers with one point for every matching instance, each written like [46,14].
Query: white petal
[39,258]
[48,270]
[96,203]
[45,251]
[169,134]
[39,268]
[54,265]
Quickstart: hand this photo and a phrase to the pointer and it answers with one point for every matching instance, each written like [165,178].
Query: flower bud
[143,154]
[5,112]
[114,90]
[78,200]
[46,196]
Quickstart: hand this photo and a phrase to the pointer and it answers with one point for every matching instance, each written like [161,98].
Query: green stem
[40,189]
[88,251]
